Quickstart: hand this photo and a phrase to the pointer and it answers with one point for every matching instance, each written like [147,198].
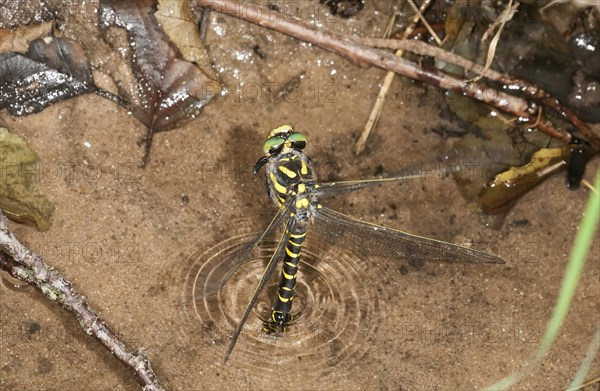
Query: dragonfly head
[280,140]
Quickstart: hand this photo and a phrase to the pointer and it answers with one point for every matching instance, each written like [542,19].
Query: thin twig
[425,49]
[347,47]
[589,186]
[510,83]
[27,266]
[360,144]
[359,147]
[501,21]
[419,13]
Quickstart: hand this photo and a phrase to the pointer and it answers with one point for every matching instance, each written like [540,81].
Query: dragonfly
[293,186]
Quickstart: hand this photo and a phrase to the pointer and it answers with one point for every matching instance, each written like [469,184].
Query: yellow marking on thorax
[301,188]
[287,171]
[302,203]
[304,169]
[278,187]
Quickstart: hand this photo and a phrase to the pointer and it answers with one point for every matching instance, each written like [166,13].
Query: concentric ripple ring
[336,308]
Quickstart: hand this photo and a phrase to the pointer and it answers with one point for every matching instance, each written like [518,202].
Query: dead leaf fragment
[53,69]
[18,39]
[177,20]
[15,13]
[170,91]
[19,199]
[508,186]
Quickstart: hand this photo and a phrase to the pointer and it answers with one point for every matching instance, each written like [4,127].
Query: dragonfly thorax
[290,174]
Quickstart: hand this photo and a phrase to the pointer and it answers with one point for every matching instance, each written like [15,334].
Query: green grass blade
[586,363]
[577,258]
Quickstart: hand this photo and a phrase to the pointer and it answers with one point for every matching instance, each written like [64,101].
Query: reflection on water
[13,284]
[335,311]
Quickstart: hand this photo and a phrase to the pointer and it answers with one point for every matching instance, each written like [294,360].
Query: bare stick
[347,47]
[27,266]
[534,92]
[385,86]
[419,13]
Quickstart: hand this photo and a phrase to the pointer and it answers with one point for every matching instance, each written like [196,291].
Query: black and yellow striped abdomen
[282,309]
[289,175]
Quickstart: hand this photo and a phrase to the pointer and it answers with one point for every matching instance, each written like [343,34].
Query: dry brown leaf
[18,39]
[53,69]
[508,186]
[19,198]
[170,91]
[15,13]
[177,20]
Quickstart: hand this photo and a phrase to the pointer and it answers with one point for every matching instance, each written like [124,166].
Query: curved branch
[27,266]
[363,55]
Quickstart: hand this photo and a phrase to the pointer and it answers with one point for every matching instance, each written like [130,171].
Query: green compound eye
[273,144]
[298,140]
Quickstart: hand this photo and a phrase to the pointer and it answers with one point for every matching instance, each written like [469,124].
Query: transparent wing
[277,255]
[282,213]
[330,189]
[376,240]
[243,252]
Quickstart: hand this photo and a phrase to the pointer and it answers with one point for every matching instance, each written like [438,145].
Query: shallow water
[335,309]
[147,246]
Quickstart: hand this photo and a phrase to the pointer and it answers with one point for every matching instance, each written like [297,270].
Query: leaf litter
[53,69]
[19,199]
[170,91]
[170,81]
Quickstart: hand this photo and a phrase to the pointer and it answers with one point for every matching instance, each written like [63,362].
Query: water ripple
[336,309]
